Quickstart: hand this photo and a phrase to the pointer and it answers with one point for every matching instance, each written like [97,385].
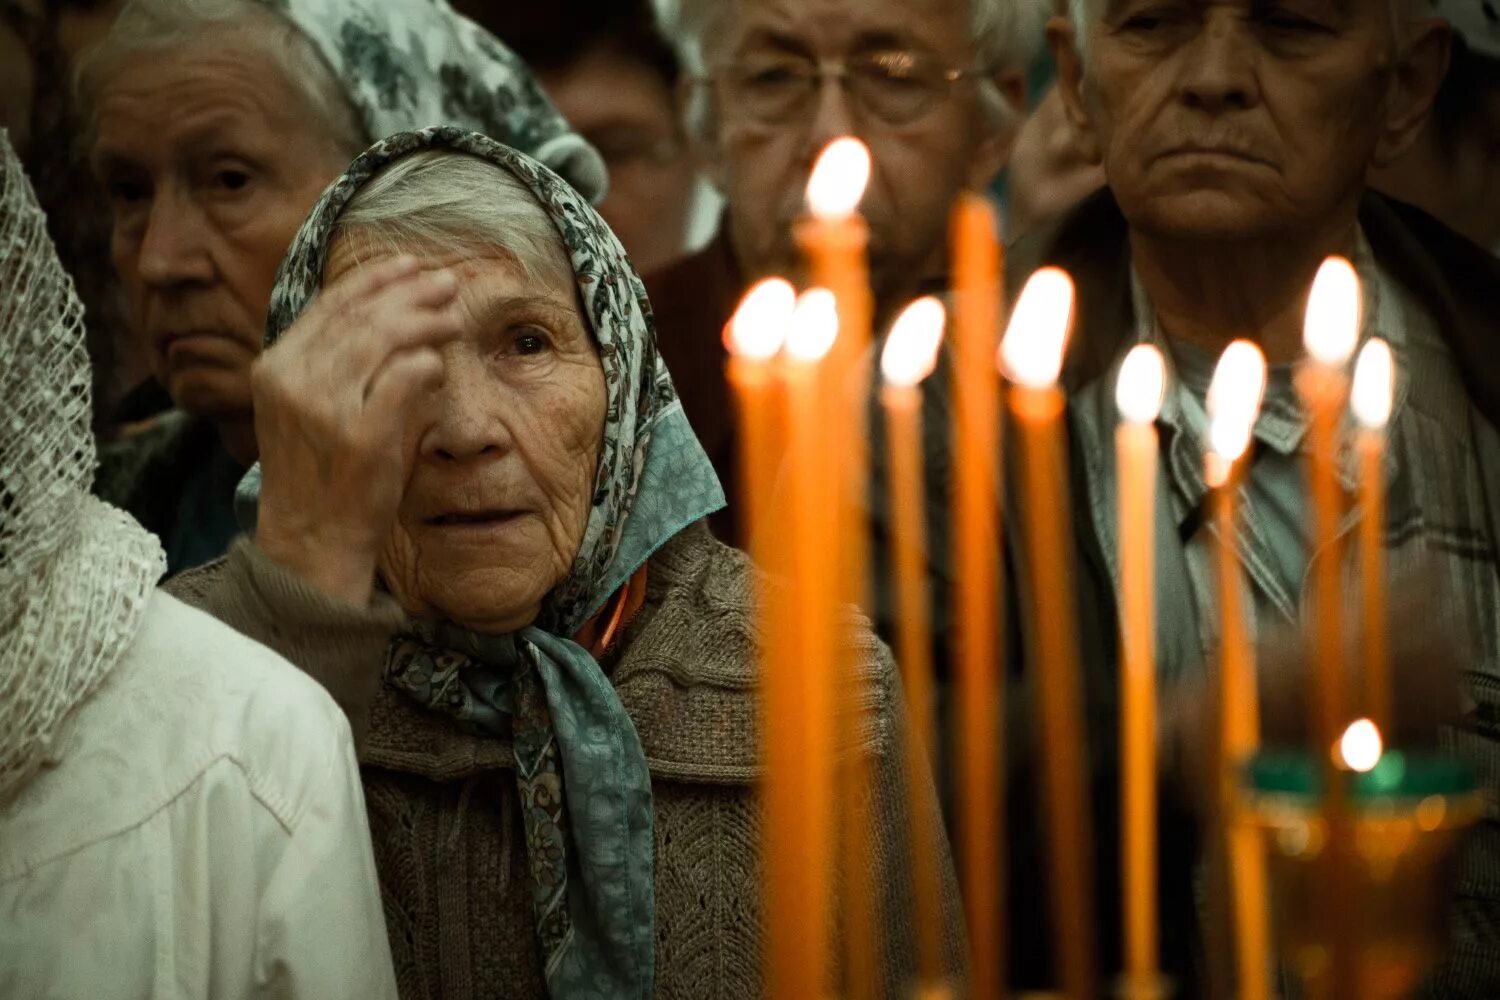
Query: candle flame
[1234,398]
[1031,354]
[1331,329]
[1142,384]
[1374,381]
[814,325]
[758,327]
[911,350]
[1361,747]
[838,179]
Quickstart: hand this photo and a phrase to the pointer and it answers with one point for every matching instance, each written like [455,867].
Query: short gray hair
[1005,34]
[155,25]
[442,199]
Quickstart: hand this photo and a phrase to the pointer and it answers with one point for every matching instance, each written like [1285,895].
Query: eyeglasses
[896,86]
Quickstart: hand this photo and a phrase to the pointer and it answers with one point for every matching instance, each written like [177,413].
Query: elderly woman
[479,522]
[180,809]
[214,126]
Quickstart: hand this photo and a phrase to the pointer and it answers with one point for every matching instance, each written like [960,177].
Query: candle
[1234,399]
[976,558]
[1371,402]
[798,702]
[833,238]
[1138,395]
[909,357]
[1330,334]
[1031,356]
[753,339]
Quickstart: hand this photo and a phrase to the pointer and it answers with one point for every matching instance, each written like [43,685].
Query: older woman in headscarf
[479,521]
[214,126]
[180,809]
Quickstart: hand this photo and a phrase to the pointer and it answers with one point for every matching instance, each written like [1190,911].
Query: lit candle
[753,339]
[1138,395]
[1031,356]
[1330,334]
[1361,746]
[1371,402]
[909,356]
[1234,399]
[798,704]
[834,237]
[976,522]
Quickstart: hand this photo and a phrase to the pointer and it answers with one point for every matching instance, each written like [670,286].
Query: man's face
[211,161]
[919,165]
[1235,118]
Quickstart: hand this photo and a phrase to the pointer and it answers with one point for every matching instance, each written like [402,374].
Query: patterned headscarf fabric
[416,63]
[75,573]
[581,772]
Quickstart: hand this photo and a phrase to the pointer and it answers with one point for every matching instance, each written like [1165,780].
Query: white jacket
[202,834]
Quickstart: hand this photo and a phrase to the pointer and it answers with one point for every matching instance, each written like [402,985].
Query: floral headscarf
[585,789]
[407,64]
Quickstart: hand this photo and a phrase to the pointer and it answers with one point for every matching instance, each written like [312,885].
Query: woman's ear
[1062,38]
[1421,65]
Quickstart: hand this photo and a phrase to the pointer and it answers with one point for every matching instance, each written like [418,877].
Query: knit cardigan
[442,803]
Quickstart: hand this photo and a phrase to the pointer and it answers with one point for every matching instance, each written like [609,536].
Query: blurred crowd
[212,172]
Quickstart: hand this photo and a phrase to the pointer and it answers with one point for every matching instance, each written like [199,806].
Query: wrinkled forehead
[1345,10]
[830,28]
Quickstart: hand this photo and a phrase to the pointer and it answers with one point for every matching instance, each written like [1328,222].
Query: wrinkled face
[1236,118]
[505,451]
[626,110]
[211,161]
[919,165]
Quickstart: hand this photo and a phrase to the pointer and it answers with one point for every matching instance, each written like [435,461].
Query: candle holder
[1406,815]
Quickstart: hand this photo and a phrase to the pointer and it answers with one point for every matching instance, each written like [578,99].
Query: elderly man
[1235,137]
[929,85]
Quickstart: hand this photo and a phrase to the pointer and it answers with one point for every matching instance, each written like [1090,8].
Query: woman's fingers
[366,280]
[415,313]
[335,355]
[397,383]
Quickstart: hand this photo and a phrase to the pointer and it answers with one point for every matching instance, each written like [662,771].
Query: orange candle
[1031,355]
[798,707]
[1371,403]
[976,524]
[909,357]
[753,339]
[1330,334]
[1139,396]
[833,238]
[1234,400]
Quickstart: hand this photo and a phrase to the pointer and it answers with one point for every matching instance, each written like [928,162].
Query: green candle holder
[1406,815]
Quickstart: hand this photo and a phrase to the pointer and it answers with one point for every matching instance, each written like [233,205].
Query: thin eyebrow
[499,308]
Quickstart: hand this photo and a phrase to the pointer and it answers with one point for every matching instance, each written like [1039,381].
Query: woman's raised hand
[333,399]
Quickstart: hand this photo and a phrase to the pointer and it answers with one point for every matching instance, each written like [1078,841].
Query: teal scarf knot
[584,788]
